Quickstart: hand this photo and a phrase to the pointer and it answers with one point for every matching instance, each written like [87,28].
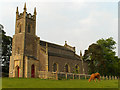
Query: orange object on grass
[94,76]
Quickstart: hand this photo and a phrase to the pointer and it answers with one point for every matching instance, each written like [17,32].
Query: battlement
[20,16]
[28,15]
[25,14]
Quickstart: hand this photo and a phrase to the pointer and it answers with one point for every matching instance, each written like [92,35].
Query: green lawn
[40,83]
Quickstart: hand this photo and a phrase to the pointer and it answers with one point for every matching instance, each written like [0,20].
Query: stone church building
[30,54]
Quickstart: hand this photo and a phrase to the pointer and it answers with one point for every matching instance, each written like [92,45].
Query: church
[30,54]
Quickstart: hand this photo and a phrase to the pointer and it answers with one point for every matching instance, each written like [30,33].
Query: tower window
[20,29]
[29,28]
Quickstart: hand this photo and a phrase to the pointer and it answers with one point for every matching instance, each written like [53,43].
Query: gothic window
[77,68]
[20,29]
[55,67]
[66,68]
[29,28]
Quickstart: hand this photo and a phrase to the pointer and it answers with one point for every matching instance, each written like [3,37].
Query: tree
[93,55]
[108,47]
[101,57]
[6,49]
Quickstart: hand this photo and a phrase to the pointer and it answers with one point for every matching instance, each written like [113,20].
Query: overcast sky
[80,23]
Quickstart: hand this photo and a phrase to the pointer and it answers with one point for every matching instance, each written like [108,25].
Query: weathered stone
[30,55]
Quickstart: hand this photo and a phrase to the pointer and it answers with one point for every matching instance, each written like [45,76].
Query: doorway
[33,71]
[17,71]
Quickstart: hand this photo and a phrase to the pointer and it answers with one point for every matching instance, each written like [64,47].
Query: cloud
[99,24]
[98,20]
[79,23]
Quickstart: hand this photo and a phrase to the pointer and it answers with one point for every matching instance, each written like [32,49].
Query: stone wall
[18,44]
[31,45]
[19,26]
[32,23]
[15,61]
[43,60]
[62,62]
[28,64]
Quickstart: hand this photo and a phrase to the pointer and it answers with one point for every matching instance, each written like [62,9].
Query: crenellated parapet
[25,14]
[31,16]
[28,16]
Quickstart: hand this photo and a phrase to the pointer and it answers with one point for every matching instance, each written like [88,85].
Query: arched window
[29,28]
[20,29]
[66,68]
[77,69]
[55,67]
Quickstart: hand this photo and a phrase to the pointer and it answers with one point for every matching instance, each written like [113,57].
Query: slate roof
[51,53]
[43,43]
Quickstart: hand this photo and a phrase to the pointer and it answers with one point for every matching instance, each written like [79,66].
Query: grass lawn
[41,83]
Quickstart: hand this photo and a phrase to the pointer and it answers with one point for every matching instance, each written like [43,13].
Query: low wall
[64,75]
[61,75]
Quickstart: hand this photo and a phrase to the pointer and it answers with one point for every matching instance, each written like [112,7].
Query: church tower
[24,59]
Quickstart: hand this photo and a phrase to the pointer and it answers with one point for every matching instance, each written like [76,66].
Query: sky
[80,23]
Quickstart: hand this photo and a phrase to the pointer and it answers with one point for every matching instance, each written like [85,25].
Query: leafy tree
[93,55]
[110,59]
[101,57]
[6,49]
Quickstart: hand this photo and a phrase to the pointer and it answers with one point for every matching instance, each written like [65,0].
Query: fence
[109,77]
[64,75]
[61,75]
